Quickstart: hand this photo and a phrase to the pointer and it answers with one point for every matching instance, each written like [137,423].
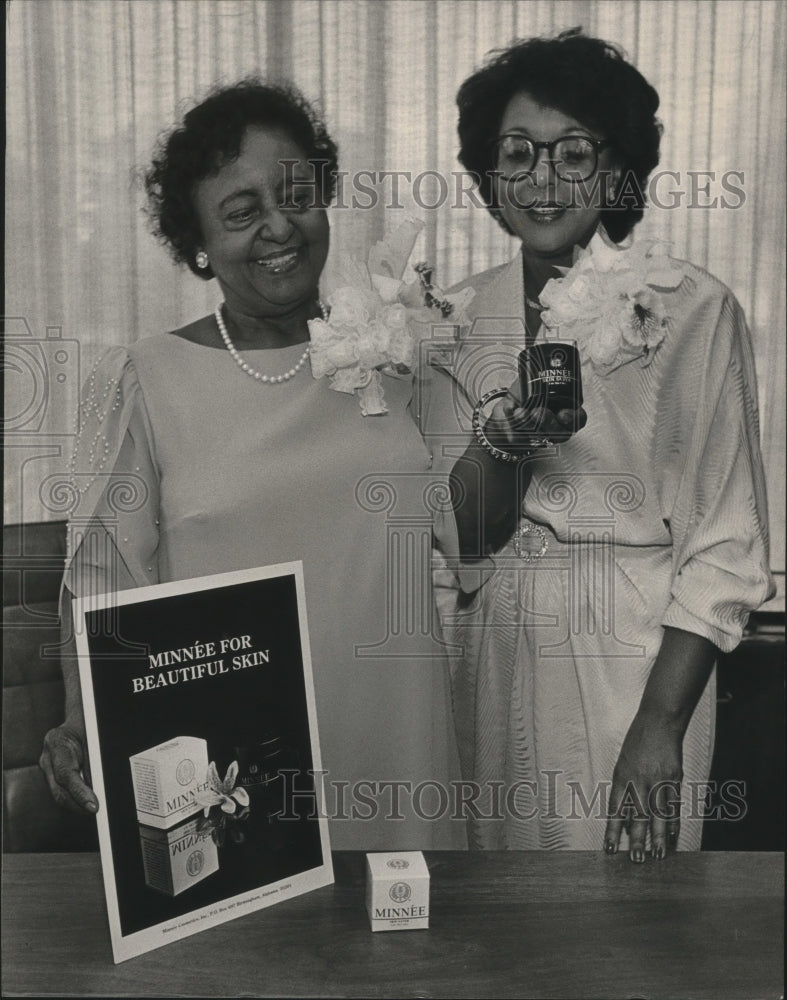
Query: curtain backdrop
[90,84]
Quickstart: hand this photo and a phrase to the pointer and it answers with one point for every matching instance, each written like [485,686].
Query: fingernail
[610,847]
[638,855]
[659,852]
[92,807]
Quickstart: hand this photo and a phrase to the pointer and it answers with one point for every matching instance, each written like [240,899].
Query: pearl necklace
[247,368]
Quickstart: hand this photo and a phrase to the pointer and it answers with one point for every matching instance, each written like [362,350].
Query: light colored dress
[653,515]
[186,467]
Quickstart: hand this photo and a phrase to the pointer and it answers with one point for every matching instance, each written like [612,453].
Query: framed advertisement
[204,751]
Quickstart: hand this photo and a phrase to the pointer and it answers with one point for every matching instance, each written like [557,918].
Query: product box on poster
[167,779]
[200,715]
[176,859]
[397,891]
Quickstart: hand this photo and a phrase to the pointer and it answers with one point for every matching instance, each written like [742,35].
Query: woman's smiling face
[550,215]
[266,236]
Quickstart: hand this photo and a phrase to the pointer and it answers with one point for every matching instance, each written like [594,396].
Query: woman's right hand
[64,763]
[487,492]
[522,429]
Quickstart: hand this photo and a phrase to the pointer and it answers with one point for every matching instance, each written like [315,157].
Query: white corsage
[609,301]
[377,320]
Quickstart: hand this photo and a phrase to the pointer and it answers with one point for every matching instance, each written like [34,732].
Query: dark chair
[746,801]
[33,557]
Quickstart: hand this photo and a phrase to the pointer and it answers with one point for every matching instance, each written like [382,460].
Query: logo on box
[400,892]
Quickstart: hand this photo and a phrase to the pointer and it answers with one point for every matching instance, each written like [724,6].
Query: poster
[202,735]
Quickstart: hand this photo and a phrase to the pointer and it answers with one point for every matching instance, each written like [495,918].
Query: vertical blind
[91,83]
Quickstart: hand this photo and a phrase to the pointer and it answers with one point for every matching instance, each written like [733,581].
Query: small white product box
[174,860]
[397,891]
[167,779]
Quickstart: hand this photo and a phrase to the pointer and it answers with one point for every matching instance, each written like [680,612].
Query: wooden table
[503,924]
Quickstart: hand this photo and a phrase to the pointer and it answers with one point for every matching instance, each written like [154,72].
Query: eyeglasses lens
[574,158]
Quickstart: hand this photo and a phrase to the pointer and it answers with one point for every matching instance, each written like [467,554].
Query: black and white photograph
[474,311]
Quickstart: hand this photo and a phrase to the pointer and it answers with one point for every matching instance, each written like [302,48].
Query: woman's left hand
[645,791]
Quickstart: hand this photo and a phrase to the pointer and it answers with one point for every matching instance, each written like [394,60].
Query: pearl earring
[202,260]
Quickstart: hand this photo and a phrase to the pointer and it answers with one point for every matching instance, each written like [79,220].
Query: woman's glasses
[574,158]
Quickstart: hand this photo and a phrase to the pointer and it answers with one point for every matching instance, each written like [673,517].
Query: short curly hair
[586,78]
[209,137]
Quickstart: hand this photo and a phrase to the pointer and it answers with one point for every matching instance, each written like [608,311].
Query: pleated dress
[652,515]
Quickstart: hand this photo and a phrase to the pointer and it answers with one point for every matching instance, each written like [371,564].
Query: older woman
[247,460]
[614,567]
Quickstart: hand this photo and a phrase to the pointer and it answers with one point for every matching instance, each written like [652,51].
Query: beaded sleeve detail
[92,445]
[114,520]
